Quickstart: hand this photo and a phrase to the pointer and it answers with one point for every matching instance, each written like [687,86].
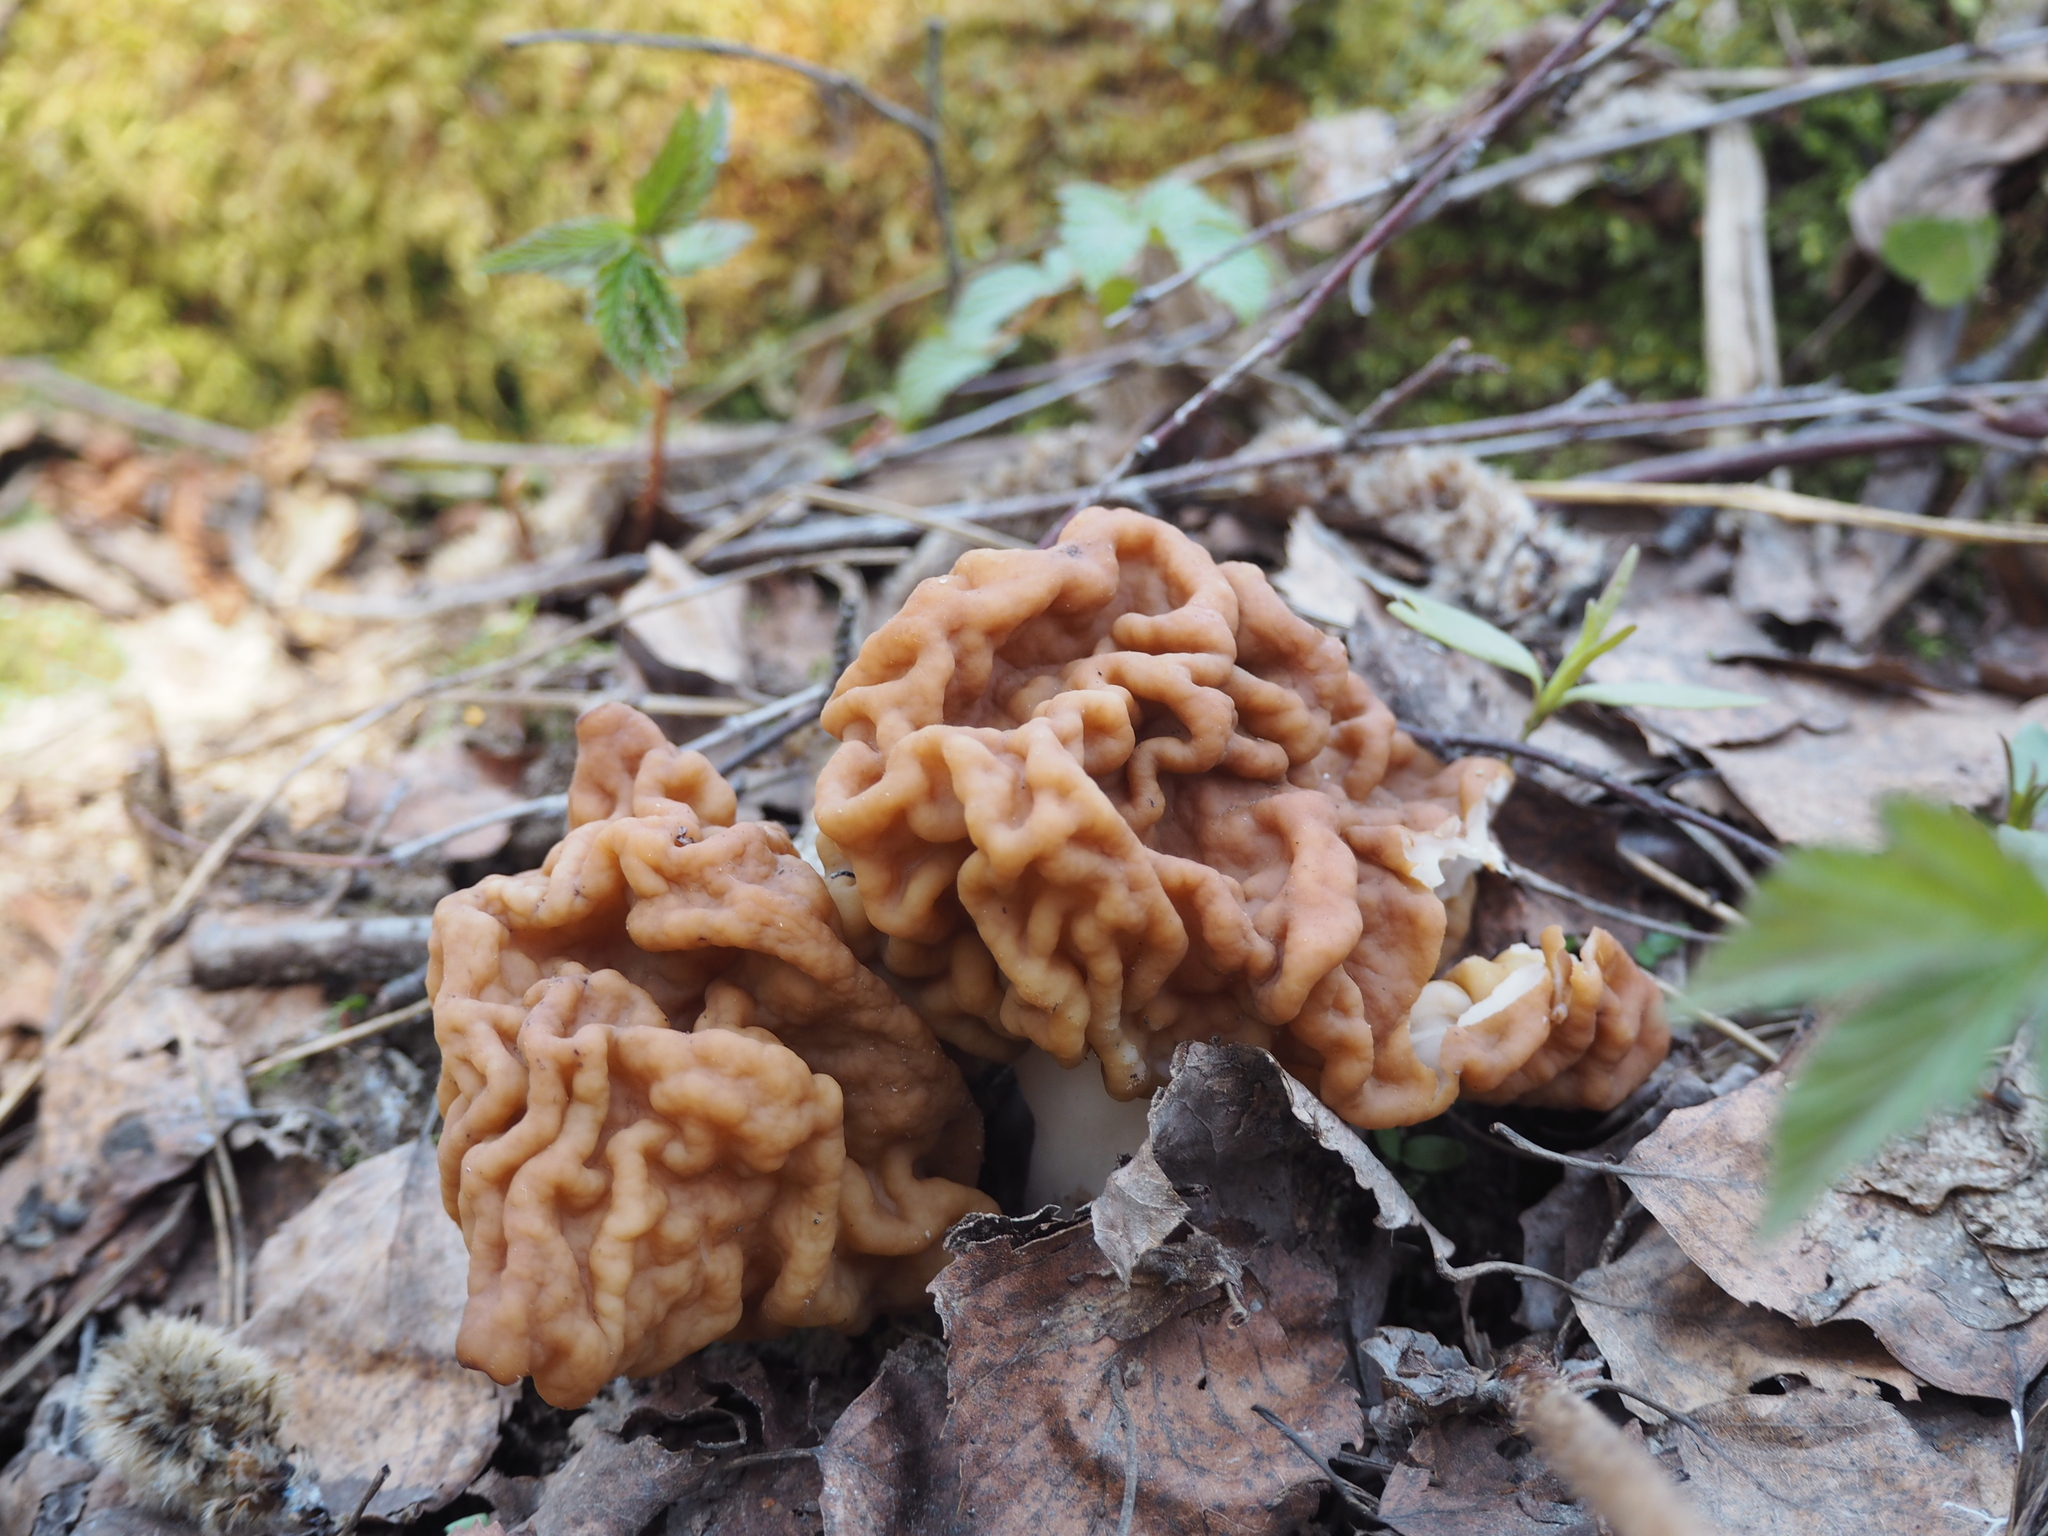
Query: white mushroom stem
[1081,1131]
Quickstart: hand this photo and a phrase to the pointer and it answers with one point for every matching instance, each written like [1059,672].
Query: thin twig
[1714,1021]
[341,1037]
[1564,1160]
[365,846]
[718,47]
[684,705]
[1606,908]
[223,1190]
[1647,1401]
[1452,359]
[1455,157]
[1345,1489]
[934,153]
[1116,1392]
[92,1301]
[1635,794]
[834,500]
[1682,888]
[542,805]
[223,1244]
[286,858]
[1569,82]
[42,378]
[1792,506]
[355,1516]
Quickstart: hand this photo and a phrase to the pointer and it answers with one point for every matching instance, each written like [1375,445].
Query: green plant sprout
[628,266]
[1466,632]
[1103,232]
[1929,955]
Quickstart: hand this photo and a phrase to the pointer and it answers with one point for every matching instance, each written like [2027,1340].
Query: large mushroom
[677,1105]
[1109,796]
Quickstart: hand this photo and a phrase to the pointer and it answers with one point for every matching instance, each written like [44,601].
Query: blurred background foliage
[221,204]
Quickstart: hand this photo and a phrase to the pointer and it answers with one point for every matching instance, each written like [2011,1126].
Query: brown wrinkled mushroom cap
[677,1105]
[1165,807]
[1112,795]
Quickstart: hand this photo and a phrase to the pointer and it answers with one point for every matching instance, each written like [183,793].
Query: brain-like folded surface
[1112,795]
[677,1105]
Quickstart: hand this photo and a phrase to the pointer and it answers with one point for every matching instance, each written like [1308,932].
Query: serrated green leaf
[1660,696]
[1934,951]
[571,250]
[703,243]
[675,186]
[1196,227]
[931,370]
[639,323]
[1465,632]
[1946,259]
[995,297]
[1101,231]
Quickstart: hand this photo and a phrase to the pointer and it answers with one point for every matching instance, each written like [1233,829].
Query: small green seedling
[1929,954]
[1103,234]
[1401,1148]
[1465,632]
[628,266]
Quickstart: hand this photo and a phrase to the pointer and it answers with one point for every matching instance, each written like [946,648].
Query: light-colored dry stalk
[1615,1476]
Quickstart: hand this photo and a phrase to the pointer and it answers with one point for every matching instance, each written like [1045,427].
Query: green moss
[51,645]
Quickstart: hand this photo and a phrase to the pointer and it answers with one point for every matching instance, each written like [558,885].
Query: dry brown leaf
[1811,788]
[1045,1344]
[1675,1335]
[612,1487]
[1813,1463]
[358,1298]
[693,646]
[1462,1485]
[1678,635]
[444,784]
[1922,1283]
[885,1464]
[121,1110]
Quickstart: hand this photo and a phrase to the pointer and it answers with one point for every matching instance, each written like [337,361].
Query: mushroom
[677,1104]
[1109,796]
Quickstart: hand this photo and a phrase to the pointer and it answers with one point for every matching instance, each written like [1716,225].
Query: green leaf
[995,297]
[1195,227]
[571,250]
[1601,611]
[1656,947]
[1933,952]
[639,323]
[1465,632]
[932,370]
[1433,1154]
[1947,259]
[2026,774]
[703,243]
[680,179]
[1100,231]
[1660,696]
[2030,848]
[1115,294]
[1581,656]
